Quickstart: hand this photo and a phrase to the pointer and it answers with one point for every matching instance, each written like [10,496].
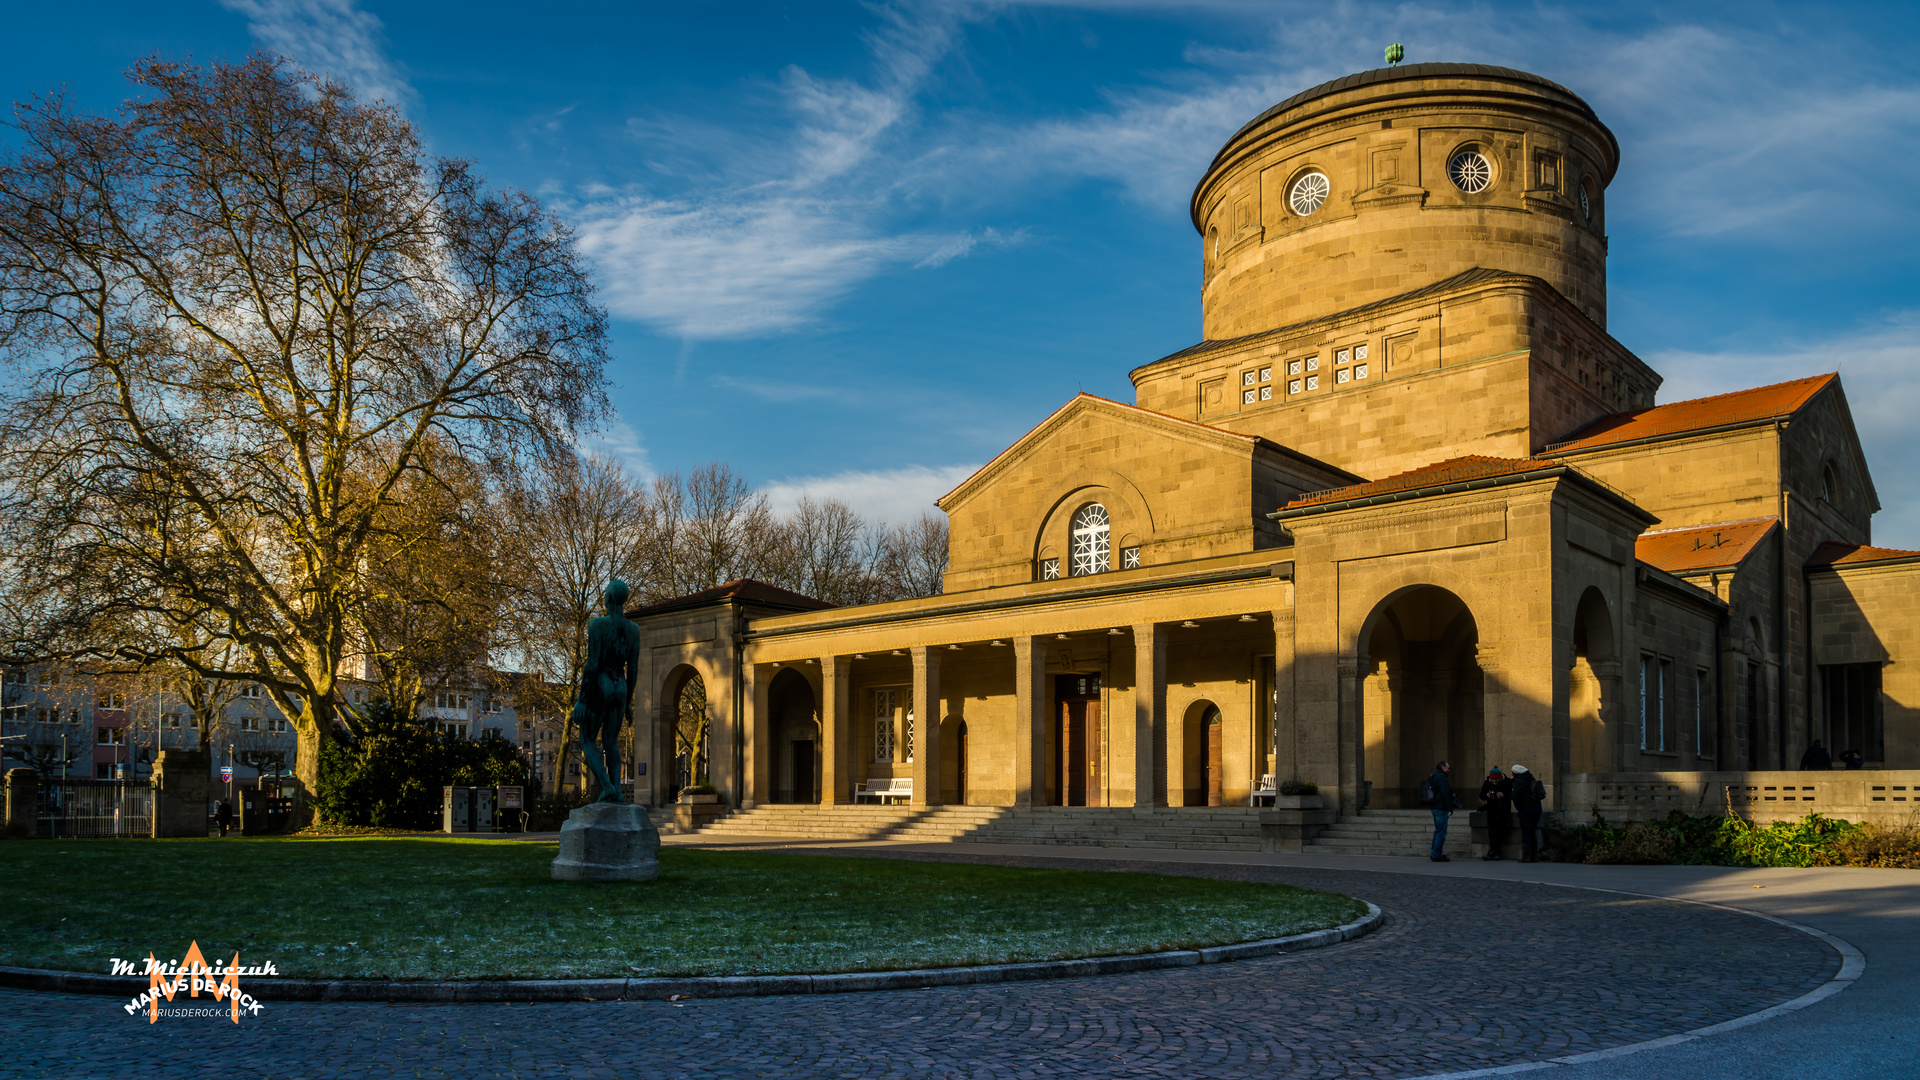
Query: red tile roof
[1706,547]
[1760,403]
[745,590]
[1453,471]
[1835,553]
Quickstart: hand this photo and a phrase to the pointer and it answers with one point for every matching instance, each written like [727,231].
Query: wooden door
[1073,753]
[1213,760]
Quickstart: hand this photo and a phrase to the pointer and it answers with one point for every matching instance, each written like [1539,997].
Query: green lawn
[465,909]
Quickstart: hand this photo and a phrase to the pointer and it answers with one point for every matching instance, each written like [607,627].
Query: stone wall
[1889,797]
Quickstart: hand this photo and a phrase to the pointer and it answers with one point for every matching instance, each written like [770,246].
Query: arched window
[1830,485]
[1092,538]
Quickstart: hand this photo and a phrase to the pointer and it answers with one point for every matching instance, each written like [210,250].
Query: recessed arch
[1422,700]
[794,732]
[1202,741]
[1592,685]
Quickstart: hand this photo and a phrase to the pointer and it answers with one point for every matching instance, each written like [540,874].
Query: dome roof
[1407,72]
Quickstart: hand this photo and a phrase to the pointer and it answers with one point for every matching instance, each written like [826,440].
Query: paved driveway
[1479,966]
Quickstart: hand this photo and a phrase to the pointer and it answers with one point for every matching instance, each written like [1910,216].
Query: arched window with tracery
[1092,538]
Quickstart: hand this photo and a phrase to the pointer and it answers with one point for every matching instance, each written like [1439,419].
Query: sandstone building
[1407,500]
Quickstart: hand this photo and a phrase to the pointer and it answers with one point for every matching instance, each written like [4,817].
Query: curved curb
[1853,964]
[661,989]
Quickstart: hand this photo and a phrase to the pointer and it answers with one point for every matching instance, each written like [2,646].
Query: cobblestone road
[1465,974]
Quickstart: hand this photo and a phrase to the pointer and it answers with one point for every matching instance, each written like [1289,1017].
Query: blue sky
[858,248]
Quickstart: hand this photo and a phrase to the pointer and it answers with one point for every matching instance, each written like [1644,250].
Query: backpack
[1539,790]
[1427,797]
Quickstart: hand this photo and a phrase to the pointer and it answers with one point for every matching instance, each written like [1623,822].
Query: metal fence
[81,809]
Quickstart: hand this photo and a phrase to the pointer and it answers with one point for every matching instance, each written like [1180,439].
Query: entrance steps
[1392,832]
[1214,828]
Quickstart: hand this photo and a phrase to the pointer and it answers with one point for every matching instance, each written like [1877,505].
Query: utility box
[481,804]
[456,810]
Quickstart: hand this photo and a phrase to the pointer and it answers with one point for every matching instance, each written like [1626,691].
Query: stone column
[1285,749]
[1149,715]
[836,734]
[758,781]
[1029,722]
[1606,674]
[926,726]
[1352,730]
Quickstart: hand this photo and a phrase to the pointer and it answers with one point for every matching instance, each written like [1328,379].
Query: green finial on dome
[1396,53]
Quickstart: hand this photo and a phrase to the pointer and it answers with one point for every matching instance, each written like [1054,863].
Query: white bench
[1269,787]
[899,787]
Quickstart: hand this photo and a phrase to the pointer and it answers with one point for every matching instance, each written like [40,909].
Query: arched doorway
[794,730]
[1423,696]
[953,761]
[1592,687]
[691,731]
[1200,740]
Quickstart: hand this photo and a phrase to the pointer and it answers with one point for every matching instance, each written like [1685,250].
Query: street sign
[509,798]
[226,774]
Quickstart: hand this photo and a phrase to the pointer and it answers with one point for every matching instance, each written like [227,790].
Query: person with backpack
[224,816]
[1496,799]
[1436,793]
[1528,795]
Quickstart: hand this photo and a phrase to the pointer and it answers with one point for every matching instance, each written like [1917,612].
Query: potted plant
[702,792]
[1298,795]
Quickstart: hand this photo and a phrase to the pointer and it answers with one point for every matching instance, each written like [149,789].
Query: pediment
[1202,438]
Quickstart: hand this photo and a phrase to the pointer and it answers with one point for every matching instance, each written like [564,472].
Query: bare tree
[239,312]
[576,524]
[912,560]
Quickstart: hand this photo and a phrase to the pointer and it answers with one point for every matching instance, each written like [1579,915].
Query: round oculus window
[1470,171]
[1308,193]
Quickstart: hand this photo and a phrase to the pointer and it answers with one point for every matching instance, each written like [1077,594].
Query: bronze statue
[606,690]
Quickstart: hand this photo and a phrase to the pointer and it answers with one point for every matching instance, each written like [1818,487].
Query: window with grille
[1091,537]
[1049,569]
[884,702]
[1130,558]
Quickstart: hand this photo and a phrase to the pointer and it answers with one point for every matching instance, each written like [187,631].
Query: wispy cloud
[1880,367]
[890,495]
[329,36]
[767,241]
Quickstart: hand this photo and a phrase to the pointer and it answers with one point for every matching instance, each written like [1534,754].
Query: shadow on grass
[415,908]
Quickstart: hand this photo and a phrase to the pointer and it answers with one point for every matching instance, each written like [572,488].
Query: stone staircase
[1198,828]
[1392,832]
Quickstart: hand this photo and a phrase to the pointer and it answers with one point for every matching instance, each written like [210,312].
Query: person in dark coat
[1445,802]
[1852,759]
[1496,799]
[1816,757]
[224,816]
[1528,794]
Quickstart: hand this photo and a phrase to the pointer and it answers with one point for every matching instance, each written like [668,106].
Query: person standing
[1816,757]
[224,816]
[1528,795]
[1496,800]
[1439,797]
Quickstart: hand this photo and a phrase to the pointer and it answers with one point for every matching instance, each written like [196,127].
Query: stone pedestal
[608,842]
[1293,821]
[692,815]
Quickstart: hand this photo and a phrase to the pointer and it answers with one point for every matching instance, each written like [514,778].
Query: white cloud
[1880,369]
[332,37]
[771,238]
[894,496]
